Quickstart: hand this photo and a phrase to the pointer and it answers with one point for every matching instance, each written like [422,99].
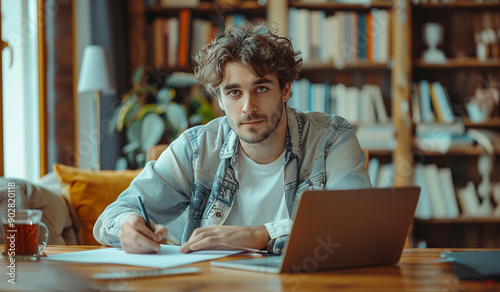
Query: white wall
[20,90]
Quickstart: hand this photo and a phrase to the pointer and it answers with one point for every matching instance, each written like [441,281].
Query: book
[384,18]
[158,44]
[489,139]
[173,41]
[377,131]
[317,97]
[435,191]
[415,104]
[455,128]
[425,101]
[368,114]
[376,136]
[449,194]
[378,100]
[469,200]
[353,104]
[332,103]
[184,37]
[369,37]
[303,29]
[373,168]
[441,103]
[424,208]
[342,106]
[362,36]
[385,177]
[180,3]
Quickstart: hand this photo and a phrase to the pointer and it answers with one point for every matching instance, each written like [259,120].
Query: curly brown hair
[256,45]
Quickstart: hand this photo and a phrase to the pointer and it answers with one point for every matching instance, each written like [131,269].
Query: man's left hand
[214,236]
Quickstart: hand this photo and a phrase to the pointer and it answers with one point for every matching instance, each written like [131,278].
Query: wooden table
[416,271]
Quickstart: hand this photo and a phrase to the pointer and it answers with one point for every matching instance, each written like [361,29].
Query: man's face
[254,105]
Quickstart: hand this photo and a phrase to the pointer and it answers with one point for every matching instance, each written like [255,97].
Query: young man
[240,176]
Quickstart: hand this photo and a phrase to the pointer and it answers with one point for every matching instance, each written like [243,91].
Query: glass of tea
[20,229]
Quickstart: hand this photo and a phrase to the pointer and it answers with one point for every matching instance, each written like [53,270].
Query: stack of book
[357,105]
[345,36]
[176,39]
[430,103]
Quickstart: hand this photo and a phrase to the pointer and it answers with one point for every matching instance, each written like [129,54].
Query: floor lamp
[95,76]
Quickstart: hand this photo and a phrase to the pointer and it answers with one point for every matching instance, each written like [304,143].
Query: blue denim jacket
[198,171]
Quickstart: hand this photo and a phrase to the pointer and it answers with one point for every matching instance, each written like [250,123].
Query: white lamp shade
[95,73]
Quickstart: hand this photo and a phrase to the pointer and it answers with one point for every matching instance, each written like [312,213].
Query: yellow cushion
[90,192]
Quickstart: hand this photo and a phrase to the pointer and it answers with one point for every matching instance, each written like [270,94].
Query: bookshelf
[394,75]
[462,73]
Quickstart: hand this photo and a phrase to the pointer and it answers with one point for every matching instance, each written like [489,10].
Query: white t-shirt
[260,199]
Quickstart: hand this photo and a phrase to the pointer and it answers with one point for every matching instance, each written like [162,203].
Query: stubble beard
[254,137]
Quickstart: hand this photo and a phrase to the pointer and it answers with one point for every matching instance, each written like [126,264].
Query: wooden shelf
[457,5]
[471,150]
[207,8]
[341,6]
[460,220]
[380,152]
[491,123]
[459,63]
[358,65]
[187,69]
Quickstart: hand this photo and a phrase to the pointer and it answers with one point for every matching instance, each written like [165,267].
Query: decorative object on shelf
[432,36]
[95,76]
[484,166]
[496,197]
[484,104]
[157,110]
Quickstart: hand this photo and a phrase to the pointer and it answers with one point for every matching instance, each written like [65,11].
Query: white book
[383,44]
[318,97]
[469,200]
[376,131]
[336,31]
[375,33]
[385,177]
[303,34]
[294,100]
[373,168]
[196,36]
[438,204]
[353,101]
[367,114]
[378,100]
[342,106]
[424,207]
[315,23]
[173,41]
[455,128]
[304,95]
[330,38]
[370,144]
[449,194]
[292,27]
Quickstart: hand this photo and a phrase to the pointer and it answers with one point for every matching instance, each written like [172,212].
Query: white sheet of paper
[168,257]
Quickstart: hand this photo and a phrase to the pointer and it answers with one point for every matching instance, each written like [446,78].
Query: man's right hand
[136,237]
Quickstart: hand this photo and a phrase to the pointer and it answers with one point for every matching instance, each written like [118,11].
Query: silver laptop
[341,229]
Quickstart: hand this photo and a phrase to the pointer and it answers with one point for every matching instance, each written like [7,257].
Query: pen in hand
[144,213]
